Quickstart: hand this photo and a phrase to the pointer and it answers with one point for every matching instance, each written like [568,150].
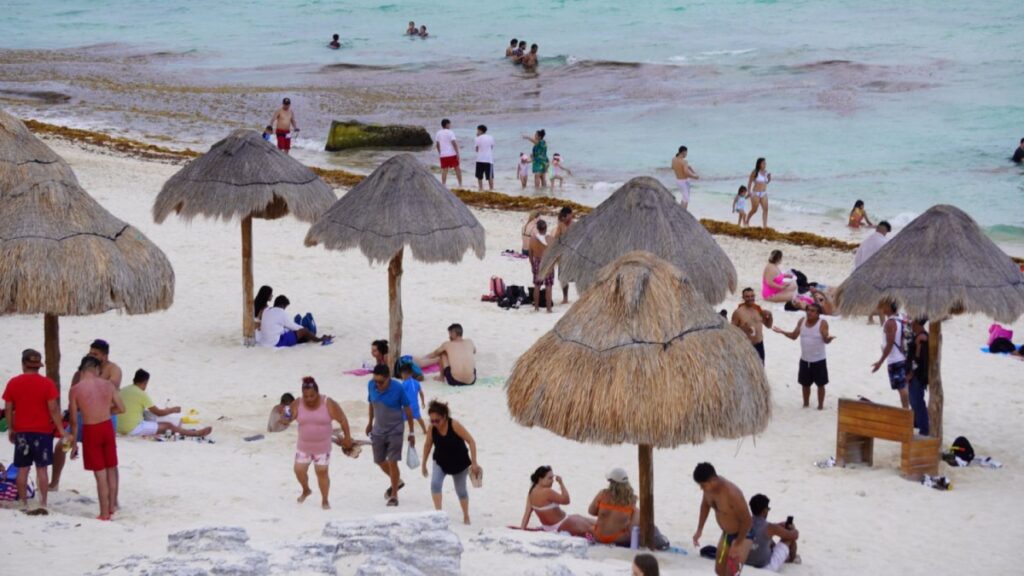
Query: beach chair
[860,423]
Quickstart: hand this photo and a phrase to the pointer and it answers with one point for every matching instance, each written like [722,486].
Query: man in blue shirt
[389,409]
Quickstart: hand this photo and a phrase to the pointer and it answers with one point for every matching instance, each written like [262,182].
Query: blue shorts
[33,448]
[287,340]
[898,375]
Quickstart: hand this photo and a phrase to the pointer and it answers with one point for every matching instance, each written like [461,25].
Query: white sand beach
[852,521]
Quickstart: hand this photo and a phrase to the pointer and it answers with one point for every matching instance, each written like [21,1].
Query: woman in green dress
[540,159]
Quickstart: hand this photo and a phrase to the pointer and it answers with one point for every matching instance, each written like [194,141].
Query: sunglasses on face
[435,420]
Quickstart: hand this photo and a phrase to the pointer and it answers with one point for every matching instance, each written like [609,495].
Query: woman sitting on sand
[314,413]
[617,512]
[261,303]
[858,217]
[547,503]
[774,287]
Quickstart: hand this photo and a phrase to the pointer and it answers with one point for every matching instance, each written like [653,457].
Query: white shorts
[684,186]
[145,428]
[780,552]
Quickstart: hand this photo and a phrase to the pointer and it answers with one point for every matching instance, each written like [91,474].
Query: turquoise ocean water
[903,105]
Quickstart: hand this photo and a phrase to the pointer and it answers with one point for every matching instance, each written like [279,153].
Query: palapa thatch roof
[940,264]
[641,358]
[244,175]
[643,215]
[400,204]
[61,252]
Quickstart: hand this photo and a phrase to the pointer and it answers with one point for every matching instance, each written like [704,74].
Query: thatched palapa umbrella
[642,215]
[244,177]
[400,204]
[641,358]
[61,252]
[941,264]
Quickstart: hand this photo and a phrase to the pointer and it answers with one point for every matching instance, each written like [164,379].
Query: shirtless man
[510,51]
[684,173]
[565,219]
[750,318]
[538,246]
[457,358]
[732,515]
[96,398]
[530,60]
[283,121]
[100,350]
[412,30]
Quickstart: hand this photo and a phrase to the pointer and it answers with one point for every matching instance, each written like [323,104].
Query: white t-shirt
[868,247]
[446,139]
[485,148]
[275,321]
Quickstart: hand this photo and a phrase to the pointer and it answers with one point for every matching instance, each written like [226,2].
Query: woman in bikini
[858,216]
[617,512]
[757,183]
[774,287]
[529,229]
[546,502]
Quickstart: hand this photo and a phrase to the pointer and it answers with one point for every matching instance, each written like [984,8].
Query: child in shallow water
[556,170]
[739,206]
[523,171]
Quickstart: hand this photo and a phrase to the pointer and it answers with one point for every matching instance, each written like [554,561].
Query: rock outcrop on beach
[352,134]
[422,541]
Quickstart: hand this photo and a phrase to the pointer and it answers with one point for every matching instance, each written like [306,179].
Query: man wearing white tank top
[893,353]
[813,333]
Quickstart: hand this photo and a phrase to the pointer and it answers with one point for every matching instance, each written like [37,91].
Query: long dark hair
[538,475]
[262,299]
[757,167]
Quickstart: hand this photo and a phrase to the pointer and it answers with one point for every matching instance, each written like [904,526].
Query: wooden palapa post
[646,496]
[395,305]
[51,350]
[935,398]
[248,321]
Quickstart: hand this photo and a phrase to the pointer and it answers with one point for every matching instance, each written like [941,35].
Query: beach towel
[988,350]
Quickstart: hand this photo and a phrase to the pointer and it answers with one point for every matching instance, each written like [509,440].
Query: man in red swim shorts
[94,397]
[283,121]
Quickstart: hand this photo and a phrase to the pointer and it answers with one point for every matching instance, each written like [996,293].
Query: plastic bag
[412,458]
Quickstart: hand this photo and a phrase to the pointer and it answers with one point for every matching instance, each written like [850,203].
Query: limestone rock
[532,544]
[384,566]
[421,540]
[208,539]
[352,134]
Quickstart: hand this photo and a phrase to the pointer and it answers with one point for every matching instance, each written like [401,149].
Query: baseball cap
[32,358]
[617,475]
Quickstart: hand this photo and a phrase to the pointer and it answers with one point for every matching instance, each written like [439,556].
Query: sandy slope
[853,521]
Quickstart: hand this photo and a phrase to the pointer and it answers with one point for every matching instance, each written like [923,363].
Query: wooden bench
[861,422]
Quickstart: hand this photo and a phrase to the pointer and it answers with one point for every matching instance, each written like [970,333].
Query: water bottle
[288,412]
[634,538]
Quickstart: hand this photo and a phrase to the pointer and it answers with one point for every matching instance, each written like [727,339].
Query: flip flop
[327,342]
[387,493]
[393,501]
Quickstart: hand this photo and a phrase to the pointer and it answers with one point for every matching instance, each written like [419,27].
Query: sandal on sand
[393,501]
[387,493]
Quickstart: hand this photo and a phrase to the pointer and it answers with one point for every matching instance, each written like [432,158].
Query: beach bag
[905,339]
[962,450]
[9,486]
[995,332]
[412,458]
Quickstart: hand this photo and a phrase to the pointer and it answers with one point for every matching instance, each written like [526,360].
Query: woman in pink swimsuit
[314,413]
[773,282]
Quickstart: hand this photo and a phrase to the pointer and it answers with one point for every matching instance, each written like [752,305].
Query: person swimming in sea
[519,53]
[858,217]
[423,31]
[412,30]
[335,42]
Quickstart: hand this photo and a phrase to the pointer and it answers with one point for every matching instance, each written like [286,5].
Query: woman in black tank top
[454,455]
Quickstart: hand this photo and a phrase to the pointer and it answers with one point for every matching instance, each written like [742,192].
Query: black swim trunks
[484,171]
[453,382]
[32,448]
[760,350]
[812,373]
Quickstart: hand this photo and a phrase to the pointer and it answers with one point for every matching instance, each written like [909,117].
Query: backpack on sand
[960,450]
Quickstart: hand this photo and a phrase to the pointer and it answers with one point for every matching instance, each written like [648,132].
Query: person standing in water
[530,60]
[510,51]
[412,30]
[757,183]
[335,42]
[484,158]
[540,159]
[684,173]
[283,122]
